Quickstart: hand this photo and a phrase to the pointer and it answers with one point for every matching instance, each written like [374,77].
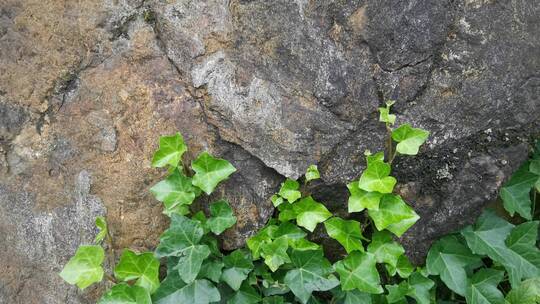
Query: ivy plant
[492,261]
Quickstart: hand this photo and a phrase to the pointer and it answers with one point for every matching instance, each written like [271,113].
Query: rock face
[86,88]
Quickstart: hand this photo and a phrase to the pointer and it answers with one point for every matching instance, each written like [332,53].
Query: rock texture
[274,86]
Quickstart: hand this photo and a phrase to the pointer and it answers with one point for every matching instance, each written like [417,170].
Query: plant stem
[110,278]
[533,211]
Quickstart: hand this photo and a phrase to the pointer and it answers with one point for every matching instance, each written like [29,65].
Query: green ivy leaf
[311,272]
[245,295]
[222,217]
[141,267]
[419,288]
[356,297]
[376,176]
[289,230]
[483,287]
[182,233]
[171,149]
[312,173]
[286,212]
[528,292]
[273,300]
[386,117]
[303,244]
[289,190]
[190,261]
[488,237]
[409,139]
[255,242]
[125,294]
[171,283]
[346,232]
[309,213]
[404,267]
[211,269]
[84,268]
[448,258]
[385,249]
[360,199]
[276,200]
[516,192]
[175,190]
[358,271]
[101,224]
[198,292]
[275,253]
[394,215]
[237,267]
[210,171]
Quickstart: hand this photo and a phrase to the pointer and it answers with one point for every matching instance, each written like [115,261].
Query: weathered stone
[86,88]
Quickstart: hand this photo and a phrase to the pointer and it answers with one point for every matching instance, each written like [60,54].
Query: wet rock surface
[273,86]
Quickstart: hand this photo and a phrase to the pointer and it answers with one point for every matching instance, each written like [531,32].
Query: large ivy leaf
[210,171]
[171,283]
[516,192]
[311,272]
[175,190]
[289,190]
[182,233]
[385,249]
[101,224]
[275,253]
[488,237]
[360,199]
[346,232]
[355,297]
[211,269]
[528,292]
[358,271]
[394,215]
[409,139]
[238,265]
[286,212]
[483,287]
[222,217]
[171,149]
[312,173]
[289,230]
[245,295]
[376,177]
[125,294]
[190,260]
[198,292]
[448,258]
[141,267]
[309,213]
[84,268]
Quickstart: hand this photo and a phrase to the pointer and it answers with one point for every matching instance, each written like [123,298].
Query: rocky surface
[86,87]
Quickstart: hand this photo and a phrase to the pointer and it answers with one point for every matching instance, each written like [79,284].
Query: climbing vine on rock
[492,261]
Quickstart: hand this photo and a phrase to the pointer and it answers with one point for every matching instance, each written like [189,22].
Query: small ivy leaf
[346,232]
[245,295]
[385,249]
[210,171]
[376,176]
[125,294]
[303,244]
[84,268]
[238,265]
[358,271]
[419,288]
[312,173]
[175,190]
[483,287]
[201,218]
[178,209]
[212,244]
[516,192]
[101,224]
[141,267]
[488,237]
[409,139]
[311,272]
[255,242]
[528,292]
[448,258]
[182,233]
[286,212]
[198,292]
[276,200]
[360,199]
[275,253]
[211,269]
[190,261]
[289,190]
[397,292]
[404,268]
[385,116]
[394,215]
[309,213]
[222,217]
[171,149]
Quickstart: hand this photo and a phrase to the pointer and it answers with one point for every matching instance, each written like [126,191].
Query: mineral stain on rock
[86,88]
